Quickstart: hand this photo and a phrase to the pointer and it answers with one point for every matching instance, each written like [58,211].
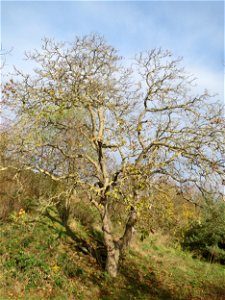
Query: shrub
[207,238]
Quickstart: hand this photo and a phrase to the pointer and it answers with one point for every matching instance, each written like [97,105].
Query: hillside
[43,259]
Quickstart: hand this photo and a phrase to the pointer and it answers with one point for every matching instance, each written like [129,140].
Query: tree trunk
[113,251]
[112,261]
[115,248]
[129,230]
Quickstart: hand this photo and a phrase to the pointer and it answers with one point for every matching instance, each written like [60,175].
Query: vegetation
[41,260]
[206,238]
[95,160]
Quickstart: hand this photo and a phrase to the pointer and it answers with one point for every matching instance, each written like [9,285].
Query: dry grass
[41,261]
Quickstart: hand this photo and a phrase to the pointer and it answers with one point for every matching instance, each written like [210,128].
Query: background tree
[84,119]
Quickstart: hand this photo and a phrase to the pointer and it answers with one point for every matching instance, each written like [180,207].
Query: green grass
[45,260]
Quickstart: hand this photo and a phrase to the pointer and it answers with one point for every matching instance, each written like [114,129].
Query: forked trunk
[115,248]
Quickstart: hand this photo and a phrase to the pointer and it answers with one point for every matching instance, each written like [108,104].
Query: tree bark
[116,248]
[113,251]
[112,261]
[129,230]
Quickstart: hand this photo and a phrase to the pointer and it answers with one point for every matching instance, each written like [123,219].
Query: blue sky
[192,29]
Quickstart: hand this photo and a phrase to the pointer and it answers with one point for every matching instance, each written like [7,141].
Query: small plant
[59,280]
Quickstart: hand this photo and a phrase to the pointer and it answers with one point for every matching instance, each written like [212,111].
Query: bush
[207,238]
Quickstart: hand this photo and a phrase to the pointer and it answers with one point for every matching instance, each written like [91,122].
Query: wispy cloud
[213,81]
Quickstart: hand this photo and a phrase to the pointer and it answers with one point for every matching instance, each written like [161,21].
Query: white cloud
[207,79]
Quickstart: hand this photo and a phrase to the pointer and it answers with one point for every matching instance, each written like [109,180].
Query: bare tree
[83,109]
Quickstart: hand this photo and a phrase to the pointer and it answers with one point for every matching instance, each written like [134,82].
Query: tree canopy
[84,118]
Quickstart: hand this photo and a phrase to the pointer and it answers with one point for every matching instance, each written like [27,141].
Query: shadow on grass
[135,284]
[216,292]
[96,249]
[132,284]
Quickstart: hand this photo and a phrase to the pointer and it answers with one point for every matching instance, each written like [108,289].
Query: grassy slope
[38,260]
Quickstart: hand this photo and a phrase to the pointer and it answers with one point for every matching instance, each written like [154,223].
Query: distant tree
[86,120]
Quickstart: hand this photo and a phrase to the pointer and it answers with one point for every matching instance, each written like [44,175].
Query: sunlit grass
[38,260]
